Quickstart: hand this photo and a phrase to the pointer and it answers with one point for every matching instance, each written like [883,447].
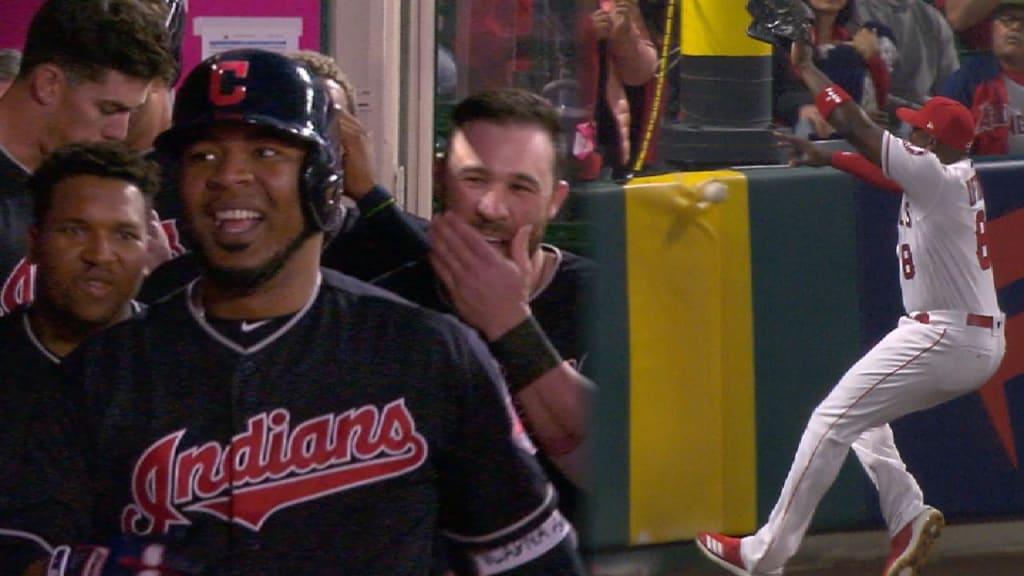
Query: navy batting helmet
[264,89]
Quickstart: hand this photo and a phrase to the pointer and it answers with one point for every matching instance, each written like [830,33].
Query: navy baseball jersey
[335,440]
[30,372]
[29,381]
[557,308]
[16,275]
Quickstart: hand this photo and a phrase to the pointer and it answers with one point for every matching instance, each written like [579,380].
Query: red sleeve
[859,166]
[880,76]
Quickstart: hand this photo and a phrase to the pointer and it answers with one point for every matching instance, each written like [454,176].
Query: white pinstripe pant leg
[916,366]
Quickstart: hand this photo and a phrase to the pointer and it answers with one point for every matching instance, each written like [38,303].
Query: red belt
[972,320]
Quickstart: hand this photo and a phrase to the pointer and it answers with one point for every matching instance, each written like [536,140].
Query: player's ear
[46,83]
[558,196]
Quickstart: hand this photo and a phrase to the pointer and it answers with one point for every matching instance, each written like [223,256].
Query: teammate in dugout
[86,65]
[274,417]
[949,344]
[374,237]
[88,241]
[488,265]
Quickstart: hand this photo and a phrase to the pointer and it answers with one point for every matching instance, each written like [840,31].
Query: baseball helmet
[264,89]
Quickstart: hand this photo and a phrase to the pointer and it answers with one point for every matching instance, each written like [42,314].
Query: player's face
[240,186]
[1008,34]
[87,111]
[90,250]
[500,177]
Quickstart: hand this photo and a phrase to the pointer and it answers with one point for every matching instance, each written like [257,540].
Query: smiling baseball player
[274,417]
[950,343]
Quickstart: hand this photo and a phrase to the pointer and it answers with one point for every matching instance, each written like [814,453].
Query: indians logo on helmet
[226,87]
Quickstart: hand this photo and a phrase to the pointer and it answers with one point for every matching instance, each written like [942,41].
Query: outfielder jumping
[949,344]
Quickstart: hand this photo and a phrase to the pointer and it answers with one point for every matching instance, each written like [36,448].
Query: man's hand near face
[357,158]
[488,291]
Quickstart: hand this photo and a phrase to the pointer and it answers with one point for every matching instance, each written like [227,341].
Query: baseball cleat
[911,545]
[722,550]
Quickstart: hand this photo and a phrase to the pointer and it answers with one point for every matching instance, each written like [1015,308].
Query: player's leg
[913,527]
[896,377]
[899,495]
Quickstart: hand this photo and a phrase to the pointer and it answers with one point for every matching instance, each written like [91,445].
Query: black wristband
[525,353]
[374,201]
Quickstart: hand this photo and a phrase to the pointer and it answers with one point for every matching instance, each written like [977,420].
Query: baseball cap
[947,120]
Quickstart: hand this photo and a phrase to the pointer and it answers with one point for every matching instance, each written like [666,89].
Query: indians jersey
[30,374]
[557,308]
[29,381]
[16,275]
[943,247]
[336,440]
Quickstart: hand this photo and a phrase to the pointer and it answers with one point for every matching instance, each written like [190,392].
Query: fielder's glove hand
[780,21]
[126,556]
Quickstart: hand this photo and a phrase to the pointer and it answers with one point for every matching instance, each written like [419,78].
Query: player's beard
[247,280]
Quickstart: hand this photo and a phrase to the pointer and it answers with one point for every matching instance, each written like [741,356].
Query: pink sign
[15,16]
[306,10]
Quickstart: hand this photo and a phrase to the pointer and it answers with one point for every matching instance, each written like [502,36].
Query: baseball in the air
[714,191]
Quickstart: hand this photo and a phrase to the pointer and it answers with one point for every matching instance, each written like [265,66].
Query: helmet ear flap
[321,188]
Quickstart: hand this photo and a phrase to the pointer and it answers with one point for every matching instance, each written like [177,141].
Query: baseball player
[950,343]
[88,240]
[274,417]
[86,65]
[375,236]
[489,266]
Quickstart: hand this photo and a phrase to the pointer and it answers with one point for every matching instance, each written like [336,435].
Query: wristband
[833,95]
[525,354]
[376,200]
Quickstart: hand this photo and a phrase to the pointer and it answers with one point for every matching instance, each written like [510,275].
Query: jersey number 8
[980,235]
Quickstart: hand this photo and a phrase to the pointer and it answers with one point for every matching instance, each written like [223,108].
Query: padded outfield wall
[716,330]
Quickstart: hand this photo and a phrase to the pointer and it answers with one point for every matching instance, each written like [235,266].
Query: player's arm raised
[836,106]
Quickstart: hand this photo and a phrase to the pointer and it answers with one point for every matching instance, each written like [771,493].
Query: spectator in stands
[10,61]
[927,49]
[992,85]
[854,62]
[616,51]
[971,20]
[498,31]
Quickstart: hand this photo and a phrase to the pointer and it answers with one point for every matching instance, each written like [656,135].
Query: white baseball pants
[915,367]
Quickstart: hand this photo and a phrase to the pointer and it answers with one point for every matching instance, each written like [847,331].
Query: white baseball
[714,191]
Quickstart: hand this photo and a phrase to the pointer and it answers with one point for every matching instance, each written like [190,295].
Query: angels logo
[271,466]
[19,288]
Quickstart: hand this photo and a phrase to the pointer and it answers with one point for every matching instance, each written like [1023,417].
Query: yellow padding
[692,444]
[718,28]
